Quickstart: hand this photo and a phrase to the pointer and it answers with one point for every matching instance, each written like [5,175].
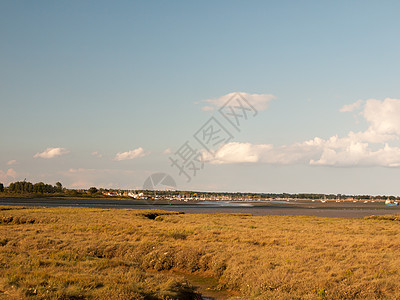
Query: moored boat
[390,202]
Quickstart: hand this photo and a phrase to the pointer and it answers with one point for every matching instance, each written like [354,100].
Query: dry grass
[80,253]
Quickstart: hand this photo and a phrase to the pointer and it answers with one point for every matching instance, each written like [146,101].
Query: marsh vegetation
[82,253]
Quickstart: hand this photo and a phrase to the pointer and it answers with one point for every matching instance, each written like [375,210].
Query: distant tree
[59,187]
[73,193]
[30,187]
[1,187]
[39,187]
[93,190]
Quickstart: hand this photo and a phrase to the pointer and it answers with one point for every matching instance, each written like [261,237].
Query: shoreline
[182,201]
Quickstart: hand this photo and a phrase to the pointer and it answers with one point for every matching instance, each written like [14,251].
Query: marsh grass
[82,253]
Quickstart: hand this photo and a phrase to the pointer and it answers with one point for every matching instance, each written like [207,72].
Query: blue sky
[124,76]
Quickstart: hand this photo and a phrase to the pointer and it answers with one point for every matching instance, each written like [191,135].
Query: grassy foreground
[81,253]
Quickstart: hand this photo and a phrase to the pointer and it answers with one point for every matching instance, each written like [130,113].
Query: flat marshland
[88,253]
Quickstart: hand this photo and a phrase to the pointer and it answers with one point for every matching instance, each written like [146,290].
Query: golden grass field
[82,253]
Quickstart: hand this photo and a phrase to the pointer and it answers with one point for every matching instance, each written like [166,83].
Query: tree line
[40,187]
[28,187]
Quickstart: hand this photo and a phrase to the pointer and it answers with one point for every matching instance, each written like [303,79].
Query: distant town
[28,189]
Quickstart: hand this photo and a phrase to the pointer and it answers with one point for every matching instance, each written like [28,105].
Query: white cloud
[139,152]
[11,162]
[352,107]
[331,152]
[388,156]
[97,154]
[370,147]
[365,148]
[383,116]
[264,153]
[258,101]
[360,154]
[236,153]
[354,154]
[51,153]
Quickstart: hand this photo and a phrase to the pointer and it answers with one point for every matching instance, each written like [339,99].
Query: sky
[107,93]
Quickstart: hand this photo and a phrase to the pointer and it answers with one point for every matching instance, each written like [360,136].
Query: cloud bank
[51,153]
[365,148]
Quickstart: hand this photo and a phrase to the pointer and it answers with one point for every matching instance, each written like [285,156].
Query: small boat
[390,202]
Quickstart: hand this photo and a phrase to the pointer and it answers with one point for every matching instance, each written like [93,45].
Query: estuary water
[258,208]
